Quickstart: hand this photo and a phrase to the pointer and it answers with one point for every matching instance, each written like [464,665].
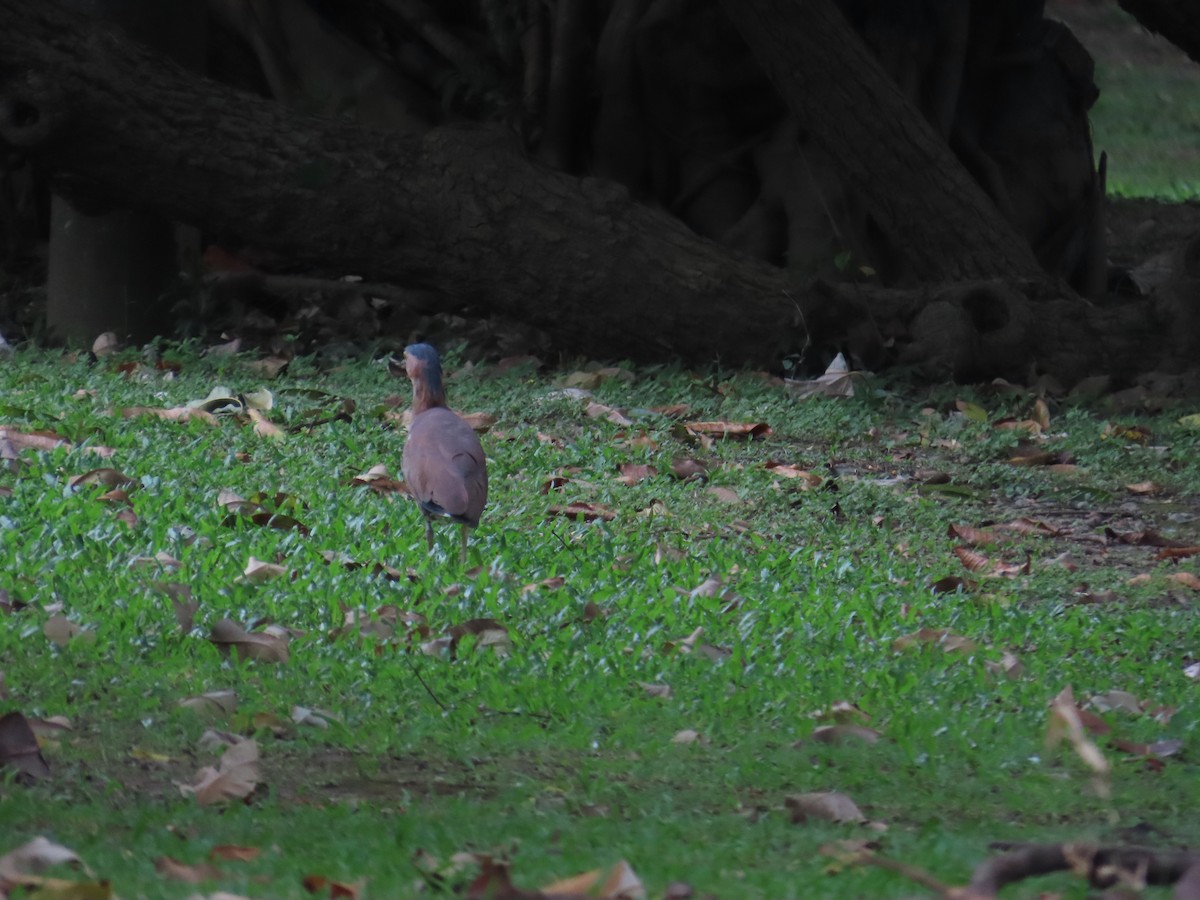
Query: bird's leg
[429,533]
[463,549]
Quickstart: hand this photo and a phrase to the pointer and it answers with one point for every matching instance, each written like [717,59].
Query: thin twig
[428,689]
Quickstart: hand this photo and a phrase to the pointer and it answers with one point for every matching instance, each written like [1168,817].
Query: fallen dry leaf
[844,734]
[631,473]
[61,630]
[785,470]
[214,704]
[831,806]
[612,414]
[34,857]
[686,468]
[1177,552]
[1067,723]
[724,494]
[837,381]
[976,537]
[19,747]
[234,853]
[263,426]
[109,478]
[173,869]
[268,647]
[258,571]
[234,778]
[1187,579]
[487,633]
[618,883]
[935,637]
[745,430]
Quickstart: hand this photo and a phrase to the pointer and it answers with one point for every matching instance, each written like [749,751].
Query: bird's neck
[428,393]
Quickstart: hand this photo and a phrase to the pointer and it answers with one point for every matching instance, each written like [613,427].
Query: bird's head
[424,369]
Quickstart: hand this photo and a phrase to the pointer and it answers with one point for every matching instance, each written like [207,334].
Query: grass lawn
[1148,116]
[654,685]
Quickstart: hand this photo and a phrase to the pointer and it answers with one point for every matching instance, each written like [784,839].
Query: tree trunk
[114,271]
[462,211]
[1176,20]
[943,223]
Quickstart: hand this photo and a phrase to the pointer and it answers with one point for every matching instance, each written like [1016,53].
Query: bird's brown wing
[445,467]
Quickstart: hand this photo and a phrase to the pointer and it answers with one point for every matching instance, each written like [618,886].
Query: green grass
[1148,121]
[553,753]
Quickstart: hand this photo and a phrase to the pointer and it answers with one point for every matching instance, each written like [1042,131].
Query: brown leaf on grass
[183,604]
[1138,434]
[1026,525]
[258,571]
[685,468]
[724,494]
[1008,666]
[318,884]
[1187,579]
[786,470]
[829,806]
[487,633]
[743,430]
[19,747]
[34,857]
[234,853]
[15,441]
[582,512]
[844,734]
[263,426]
[686,736]
[692,645]
[61,630]
[631,473]
[174,870]
[1156,749]
[1032,426]
[1041,414]
[480,422]
[378,479]
[971,560]
[976,537]
[173,414]
[109,478]
[1143,488]
[935,637]
[553,583]
[1177,552]
[262,646]
[836,381]
[269,366]
[494,882]
[672,411]
[1122,700]
[612,414]
[1147,538]
[213,704]
[948,584]
[1066,723]
[234,778]
[161,559]
[618,883]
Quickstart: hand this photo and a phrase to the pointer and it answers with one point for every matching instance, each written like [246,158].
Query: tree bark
[943,223]
[1176,20]
[116,271]
[461,211]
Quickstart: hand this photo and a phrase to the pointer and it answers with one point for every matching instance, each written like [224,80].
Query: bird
[443,464]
